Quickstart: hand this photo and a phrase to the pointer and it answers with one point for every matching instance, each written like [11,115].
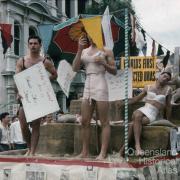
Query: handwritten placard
[65,76]
[116,85]
[38,97]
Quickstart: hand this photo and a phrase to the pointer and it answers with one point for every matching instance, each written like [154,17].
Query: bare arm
[51,69]
[133,100]
[77,60]
[108,61]
[138,97]
[19,68]
[110,65]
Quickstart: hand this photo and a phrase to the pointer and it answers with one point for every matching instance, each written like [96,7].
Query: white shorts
[150,111]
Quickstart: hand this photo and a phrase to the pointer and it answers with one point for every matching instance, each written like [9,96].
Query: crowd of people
[11,137]
[10,133]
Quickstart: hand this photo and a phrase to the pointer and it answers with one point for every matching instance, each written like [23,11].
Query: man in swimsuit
[96,62]
[34,57]
[158,97]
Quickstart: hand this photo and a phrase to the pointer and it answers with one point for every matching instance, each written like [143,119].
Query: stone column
[74,8]
[61,9]
[176,61]
[52,5]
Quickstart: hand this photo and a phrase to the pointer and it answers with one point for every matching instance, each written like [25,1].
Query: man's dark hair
[35,37]
[3,115]
[166,72]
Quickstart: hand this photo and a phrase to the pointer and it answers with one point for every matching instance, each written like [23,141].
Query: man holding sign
[34,57]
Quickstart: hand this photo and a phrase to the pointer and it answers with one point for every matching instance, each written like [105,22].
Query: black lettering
[149,76]
[137,76]
[148,63]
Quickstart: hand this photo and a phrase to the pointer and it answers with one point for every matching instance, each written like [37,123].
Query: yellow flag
[93,28]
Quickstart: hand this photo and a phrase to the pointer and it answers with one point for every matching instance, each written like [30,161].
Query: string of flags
[138,37]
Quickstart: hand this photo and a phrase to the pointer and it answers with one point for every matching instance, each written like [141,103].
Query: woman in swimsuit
[157,98]
[96,62]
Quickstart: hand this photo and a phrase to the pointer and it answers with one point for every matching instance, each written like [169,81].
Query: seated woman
[157,100]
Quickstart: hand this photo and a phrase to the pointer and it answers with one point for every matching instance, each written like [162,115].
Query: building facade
[24,16]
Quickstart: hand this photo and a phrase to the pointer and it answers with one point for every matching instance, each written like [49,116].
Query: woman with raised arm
[96,62]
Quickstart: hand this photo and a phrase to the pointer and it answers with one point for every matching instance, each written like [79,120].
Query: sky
[161,20]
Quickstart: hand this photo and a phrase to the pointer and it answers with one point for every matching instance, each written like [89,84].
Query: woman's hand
[101,59]
[82,43]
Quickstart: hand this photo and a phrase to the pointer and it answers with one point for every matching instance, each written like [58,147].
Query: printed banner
[144,70]
[38,97]
[116,85]
[65,76]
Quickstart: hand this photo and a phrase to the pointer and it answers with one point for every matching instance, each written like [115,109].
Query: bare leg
[35,136]
[24,128]
[102,108]
[130,138]
[139,120]
[87,111]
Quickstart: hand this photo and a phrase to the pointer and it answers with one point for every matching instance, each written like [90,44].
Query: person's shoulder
[106,49]
[21,59]
[20,62]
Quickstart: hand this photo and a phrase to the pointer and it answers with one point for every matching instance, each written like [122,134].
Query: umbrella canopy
[69,32]
[64,44]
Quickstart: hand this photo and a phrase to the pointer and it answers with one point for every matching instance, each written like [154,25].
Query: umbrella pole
[126,85]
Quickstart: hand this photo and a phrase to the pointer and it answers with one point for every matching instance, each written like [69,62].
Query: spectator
[16,136]
[5,131]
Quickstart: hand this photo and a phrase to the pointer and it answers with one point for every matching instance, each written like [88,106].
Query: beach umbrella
[69,32]
[64,43]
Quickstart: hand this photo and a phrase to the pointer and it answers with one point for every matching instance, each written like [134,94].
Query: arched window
[32,31]
[16,37]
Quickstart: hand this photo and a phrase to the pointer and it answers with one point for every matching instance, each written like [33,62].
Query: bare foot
[27,153]
[101,157]
[121,152]
[82,155]
[139,152]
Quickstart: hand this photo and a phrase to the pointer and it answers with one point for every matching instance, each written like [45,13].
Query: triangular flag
[94,30]
[165,59]
[46,31]
[160,51]
[153,52]
[106,27]
[133,32]
[6,36]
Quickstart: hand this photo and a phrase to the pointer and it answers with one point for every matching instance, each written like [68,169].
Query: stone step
[65,138]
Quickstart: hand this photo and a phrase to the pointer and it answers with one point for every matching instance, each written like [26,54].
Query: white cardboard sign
[116,85]
[38,97]
[65,76]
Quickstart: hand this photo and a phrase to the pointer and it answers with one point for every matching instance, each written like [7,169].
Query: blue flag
[46,31]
